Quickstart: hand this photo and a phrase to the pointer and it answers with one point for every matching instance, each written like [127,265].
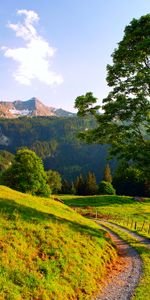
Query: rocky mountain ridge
[31,107]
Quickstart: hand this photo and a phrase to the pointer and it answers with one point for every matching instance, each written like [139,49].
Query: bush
[106,188]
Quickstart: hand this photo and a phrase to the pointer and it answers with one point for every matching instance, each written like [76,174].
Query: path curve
[124,276]
[140,238]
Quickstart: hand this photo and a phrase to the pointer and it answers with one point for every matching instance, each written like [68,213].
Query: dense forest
[55,141]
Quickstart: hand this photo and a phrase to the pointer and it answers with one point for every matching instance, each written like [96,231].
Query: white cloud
[33,59]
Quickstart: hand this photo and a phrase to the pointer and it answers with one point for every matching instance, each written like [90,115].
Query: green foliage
[48,251]
[6,159]
[80,185]
[54,181]
[26,174]
[107,174]
[72,189]
[125,121]
[106,188]
[85,104]
[66,187]
[91,187]
[44,148]
[129,180]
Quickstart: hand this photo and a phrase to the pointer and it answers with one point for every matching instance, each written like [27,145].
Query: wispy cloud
[35,57]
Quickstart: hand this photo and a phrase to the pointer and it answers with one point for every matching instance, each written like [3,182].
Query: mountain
[31,107]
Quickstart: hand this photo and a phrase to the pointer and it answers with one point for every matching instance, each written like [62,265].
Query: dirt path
[124,276]
[138,237]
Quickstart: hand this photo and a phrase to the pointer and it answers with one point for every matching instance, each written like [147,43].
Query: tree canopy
[125,119]
[128,180]
[26,174]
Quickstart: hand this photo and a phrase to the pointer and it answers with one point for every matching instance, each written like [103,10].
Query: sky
[57,50]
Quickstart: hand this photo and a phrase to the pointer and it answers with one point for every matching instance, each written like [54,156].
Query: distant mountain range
[31,107]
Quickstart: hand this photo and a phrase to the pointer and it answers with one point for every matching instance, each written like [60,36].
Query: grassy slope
[47,250]
[122,207]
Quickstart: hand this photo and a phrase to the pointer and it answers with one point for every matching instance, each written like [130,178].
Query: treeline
[87,186]
[127,180]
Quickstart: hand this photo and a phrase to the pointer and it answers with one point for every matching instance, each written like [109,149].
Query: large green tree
[125,119]
[26,174]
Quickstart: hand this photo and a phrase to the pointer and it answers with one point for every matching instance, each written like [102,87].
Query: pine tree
[80,185]
[107,174]
[91,187]
[66,187]
[73,189]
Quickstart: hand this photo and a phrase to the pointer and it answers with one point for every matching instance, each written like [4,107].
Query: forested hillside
[55,140]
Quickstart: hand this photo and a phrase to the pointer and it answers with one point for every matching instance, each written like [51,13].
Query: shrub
[106,188]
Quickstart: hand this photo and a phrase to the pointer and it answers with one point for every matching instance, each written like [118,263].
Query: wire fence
[131,223]
[134,224]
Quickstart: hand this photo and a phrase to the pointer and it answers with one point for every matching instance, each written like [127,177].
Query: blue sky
[58,50]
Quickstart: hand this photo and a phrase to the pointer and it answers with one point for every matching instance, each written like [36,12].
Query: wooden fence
[142,226]
[130,223]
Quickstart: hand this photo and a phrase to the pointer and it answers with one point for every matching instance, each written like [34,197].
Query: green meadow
[119,209]
[48,250]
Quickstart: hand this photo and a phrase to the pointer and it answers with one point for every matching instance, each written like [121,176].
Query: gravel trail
[125,274]
[138,237]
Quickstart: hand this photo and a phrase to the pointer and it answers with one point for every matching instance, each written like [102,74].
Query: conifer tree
[107,174]
[73,189]
[91,187]
[80,185]
[66,187]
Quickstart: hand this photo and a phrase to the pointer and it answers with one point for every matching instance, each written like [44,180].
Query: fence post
[149,229]
[96,214]
[143,225]
[135,225]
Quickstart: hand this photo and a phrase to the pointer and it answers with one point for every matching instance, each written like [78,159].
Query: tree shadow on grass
[96,201]
[13,210]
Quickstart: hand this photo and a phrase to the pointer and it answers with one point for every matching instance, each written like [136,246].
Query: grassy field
[48,251]
[120,209]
